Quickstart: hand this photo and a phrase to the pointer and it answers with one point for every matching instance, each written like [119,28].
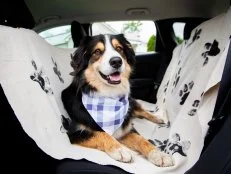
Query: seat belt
[159,78]
[224,95]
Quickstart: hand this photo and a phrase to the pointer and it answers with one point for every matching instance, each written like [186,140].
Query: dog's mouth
[113,78]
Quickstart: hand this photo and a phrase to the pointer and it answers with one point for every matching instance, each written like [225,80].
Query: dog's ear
[78,59]
[128,50]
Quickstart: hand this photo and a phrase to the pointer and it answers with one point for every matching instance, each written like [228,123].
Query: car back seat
[41,76]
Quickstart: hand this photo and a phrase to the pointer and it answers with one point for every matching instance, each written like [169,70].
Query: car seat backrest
[188,91]
[190,26]
[38,70]
[199,54]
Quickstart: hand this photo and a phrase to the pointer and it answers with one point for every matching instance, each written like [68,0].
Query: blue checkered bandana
[108,113]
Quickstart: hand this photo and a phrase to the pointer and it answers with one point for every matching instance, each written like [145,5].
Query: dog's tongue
[115,76]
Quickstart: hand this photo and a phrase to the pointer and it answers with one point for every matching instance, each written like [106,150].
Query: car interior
[20,153]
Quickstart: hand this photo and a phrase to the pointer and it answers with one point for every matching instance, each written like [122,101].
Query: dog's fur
[89,62]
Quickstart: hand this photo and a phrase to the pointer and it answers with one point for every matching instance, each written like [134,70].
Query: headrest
[189,27]
[77,32]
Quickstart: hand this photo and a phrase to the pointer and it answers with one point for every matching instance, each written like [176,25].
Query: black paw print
[165,90]
[177,78]
[195,105]
[196,36]
[166,87]
[173,146]
[212,50]
[156,109]
[39,77]
[177,146]
[160,144]
[185,92]
[56,70]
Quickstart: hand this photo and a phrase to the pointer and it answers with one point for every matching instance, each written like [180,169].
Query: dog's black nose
[115,62]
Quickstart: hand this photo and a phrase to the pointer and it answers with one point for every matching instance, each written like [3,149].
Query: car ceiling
[56,12]
[93,10]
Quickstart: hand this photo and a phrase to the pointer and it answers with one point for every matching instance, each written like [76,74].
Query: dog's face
[105,62]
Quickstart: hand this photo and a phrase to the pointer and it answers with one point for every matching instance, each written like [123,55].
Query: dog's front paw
[121,154]
[162,123]
[160,159]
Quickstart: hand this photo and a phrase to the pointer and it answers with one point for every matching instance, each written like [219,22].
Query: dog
[99,103]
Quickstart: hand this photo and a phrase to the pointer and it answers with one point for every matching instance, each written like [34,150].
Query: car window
[178,28]
[58,36]
[141,34]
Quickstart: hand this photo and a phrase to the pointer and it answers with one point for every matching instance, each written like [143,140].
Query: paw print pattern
[165,90]
[56,71]
[195,105]
[185,92]
[159,144]
[195,37]
[177,78]
[212,50]
[156,109]
[43,80]
[173,146]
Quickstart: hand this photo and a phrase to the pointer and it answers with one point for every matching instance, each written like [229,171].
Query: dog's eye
[119,49]
[98,52]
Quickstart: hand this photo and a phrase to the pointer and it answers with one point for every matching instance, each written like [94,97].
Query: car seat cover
[33,74]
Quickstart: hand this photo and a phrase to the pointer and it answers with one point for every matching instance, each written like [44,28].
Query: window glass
[178,28]
[58,36]
[141,34]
